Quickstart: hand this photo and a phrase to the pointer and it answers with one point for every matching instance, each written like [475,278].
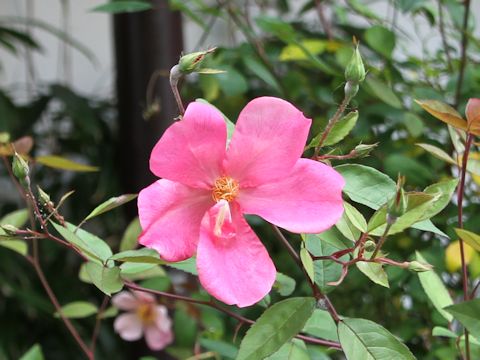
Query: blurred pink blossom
[199,204]
[144,317]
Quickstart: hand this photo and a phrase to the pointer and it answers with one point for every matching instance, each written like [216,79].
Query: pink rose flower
[144,318]
[206,188]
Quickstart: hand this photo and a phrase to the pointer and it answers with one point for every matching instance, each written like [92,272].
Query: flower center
[225,188]
[146,313]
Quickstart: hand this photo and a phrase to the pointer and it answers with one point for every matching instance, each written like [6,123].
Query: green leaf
[437,152]
[17,218]
[77,310]
[106,279]
[108,313]
[373,271]
[339,131]
[222,348]
[352,223]
[34,353]
[417,206]
[58,162]
[441,331]
[443,112]
[130,236]
[355,217]
[307,263]
[89,244]
[366,340]
[277,325]
[366,185]
[110,204]
[468,313]
[382,91]
[142,255]
[469,237]
[421,206]
[284,284]
[261,72]
[435,290]
[116,7]
[189,265]
[381,40]
[19,246]
[427,225]
[295,349]
[321,325]
[326,271]
[231,81]
[273,25]
[294,52]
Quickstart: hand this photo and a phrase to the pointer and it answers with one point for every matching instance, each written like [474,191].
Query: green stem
[333,120]
[382,239]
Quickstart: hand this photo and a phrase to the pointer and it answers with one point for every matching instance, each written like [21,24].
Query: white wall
[91,29]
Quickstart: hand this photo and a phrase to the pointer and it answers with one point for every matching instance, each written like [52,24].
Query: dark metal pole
[145,42]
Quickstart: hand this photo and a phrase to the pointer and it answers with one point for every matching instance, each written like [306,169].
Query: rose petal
[128,326]
[473,114]
[309,200]
[235,270]
[125,300]
[156,338]
[162,320]
[191,151]
[170,215]
[268,139]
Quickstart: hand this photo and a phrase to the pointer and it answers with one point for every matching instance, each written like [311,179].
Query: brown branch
[460,196]
[312,340]
[98,322]
[323,20]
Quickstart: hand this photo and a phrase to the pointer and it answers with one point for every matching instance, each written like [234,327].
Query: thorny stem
[331,123]
[317,293]
[34,260]
[98,322]
[382,239]
[460,195]
[463,63]
[332,344]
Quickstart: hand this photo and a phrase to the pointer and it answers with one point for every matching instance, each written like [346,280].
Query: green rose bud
[9,229]
[417,266]
[370,246]
[191,62]
[20,169]
[397,206]
[355,70]
[364,150]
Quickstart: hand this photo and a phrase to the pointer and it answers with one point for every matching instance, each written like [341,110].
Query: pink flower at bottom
[144,317]
[206,188]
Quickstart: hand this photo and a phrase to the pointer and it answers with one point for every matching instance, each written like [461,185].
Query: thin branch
[441,25]
[317,293]
[323,20]
[460,196]
[98,322]
[312,340]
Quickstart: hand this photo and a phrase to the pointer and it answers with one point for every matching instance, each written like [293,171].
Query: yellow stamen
[225,188]
[146,313]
